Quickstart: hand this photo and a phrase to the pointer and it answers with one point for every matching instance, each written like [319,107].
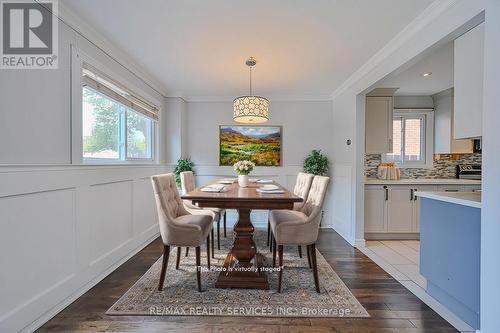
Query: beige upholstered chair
[291,227]
[177,226]
[187,185]
[301,189]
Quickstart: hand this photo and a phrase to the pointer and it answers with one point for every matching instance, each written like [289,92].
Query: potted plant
[182,165]
[243,169]
[316,163]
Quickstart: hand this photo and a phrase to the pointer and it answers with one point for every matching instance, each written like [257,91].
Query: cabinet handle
[411,194]
[386,193]
[415,195]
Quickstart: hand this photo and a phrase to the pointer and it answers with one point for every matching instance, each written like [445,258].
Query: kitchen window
[412,143]
[117,126]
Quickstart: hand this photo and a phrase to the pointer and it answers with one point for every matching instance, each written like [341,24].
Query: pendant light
[251,109]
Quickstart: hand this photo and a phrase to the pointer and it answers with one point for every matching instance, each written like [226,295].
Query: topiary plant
[182,165]
[316,163]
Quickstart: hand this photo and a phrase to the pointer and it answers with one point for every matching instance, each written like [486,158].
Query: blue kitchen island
[450,237]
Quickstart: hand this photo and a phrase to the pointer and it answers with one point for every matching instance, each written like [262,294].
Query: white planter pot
[243,180]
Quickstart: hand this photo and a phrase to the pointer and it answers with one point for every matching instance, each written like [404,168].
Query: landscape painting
[259,144]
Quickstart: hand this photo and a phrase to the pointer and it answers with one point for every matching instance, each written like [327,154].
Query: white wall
[410,102]
[63,227]
[306,125]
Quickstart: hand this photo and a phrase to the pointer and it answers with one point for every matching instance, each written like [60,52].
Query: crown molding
[428,15]
[277,98]
[72,20]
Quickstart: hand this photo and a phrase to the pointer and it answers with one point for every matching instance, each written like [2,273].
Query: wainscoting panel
[145,216]
[63,229]
[31,261]
[111,208]
[340,200]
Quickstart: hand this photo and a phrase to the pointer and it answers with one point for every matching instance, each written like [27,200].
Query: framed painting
[259,144]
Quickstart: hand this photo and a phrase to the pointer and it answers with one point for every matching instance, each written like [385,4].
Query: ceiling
[197,48]
[411,82]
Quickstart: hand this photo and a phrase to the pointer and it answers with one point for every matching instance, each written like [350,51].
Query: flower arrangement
[243,167]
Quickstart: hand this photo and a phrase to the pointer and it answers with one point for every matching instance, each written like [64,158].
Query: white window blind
[100,82]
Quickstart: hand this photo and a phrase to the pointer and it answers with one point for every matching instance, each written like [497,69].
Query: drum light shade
[251,109]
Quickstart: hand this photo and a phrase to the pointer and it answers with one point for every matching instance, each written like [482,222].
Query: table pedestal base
[235,276]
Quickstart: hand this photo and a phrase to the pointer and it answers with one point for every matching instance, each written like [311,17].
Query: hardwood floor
[391,306]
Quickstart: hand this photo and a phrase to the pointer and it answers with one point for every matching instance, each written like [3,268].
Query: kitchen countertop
[431,181]
[471,199]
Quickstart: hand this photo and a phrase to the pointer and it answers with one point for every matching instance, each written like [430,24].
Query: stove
[469,171]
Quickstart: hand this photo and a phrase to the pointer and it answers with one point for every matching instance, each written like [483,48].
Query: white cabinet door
[378,125]
[472,188]
[443,126]
[468,82]
[375,209]
[416,205]
[400,209]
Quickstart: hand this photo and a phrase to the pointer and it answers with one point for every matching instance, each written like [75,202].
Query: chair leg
[208,249]
[187,251]
[225,212]
[271,237]
[280,257]
[274,251]
[218,235]
[198,268]
[268,232]
[315,266]
[300,251]
[164,264]
[213,239]
[308,250]
[178,257]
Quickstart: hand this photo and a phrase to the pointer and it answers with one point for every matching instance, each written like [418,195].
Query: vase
[243,180]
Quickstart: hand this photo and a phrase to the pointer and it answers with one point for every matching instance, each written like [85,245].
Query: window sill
[130,162]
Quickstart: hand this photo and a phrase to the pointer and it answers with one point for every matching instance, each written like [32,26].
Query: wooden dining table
[243,264]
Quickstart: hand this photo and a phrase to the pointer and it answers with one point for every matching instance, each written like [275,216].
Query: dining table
[243,265]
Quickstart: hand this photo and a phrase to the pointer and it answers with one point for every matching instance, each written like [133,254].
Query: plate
[264,181]
[269,188]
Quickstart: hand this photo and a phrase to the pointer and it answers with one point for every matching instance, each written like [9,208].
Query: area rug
[297,299]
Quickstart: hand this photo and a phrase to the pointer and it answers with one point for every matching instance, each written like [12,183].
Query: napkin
[213,188]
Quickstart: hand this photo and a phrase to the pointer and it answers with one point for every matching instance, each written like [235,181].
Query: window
[117,126]
[412,139]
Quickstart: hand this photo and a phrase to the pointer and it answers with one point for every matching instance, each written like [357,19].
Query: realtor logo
[29,34]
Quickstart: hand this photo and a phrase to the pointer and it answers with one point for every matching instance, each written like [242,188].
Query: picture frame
[262,144]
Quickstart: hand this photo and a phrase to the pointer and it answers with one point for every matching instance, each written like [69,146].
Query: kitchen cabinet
[392,211]
[444,142]
[468,83]
[416,205]
[400,209]
[378,124]
[375,208]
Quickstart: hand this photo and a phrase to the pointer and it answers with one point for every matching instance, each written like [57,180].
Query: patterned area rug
[298,298]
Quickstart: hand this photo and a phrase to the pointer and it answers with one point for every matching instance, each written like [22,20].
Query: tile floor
[401,259]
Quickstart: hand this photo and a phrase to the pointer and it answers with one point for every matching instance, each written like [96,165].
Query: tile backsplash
[445,167]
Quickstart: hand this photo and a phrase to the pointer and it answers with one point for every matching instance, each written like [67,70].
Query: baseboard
[70,299]
[391,236]
[359,242]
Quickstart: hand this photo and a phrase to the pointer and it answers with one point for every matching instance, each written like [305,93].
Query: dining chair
[178,228]
[187,185]
[291,227]
[301,189]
